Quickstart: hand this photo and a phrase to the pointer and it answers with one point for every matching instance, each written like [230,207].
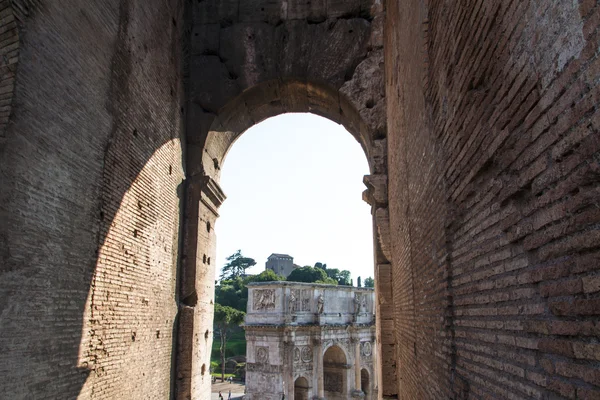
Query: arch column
[357,393]
[318,368]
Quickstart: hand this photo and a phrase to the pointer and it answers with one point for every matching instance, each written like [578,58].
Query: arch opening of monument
[301,389]
[364,383]
[335,374]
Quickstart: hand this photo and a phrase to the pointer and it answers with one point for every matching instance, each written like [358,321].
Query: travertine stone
[328,344]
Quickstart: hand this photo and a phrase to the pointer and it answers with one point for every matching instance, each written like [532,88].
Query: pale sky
[294,185]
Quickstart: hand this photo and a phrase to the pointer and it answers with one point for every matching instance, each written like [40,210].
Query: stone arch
[339,346]
[335,373]
[301,388]
[247,63]
[365,382]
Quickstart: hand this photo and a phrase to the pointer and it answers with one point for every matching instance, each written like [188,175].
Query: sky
[294,185]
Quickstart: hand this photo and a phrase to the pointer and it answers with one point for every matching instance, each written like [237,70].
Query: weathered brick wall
[90,169]
[494,170]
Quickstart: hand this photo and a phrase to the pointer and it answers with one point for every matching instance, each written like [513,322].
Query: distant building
[281,264]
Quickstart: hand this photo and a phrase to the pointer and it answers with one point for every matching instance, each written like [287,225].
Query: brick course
[505,109]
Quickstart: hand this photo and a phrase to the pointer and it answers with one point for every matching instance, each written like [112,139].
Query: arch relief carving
[264,299]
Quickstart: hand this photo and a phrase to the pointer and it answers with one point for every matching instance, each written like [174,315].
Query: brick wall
[494,171]
[90,169]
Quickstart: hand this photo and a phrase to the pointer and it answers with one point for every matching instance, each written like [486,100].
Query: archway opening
[294,185]
[301,389]
[364,382]
[335,371]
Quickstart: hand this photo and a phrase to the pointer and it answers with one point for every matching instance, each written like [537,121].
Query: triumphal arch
[310,341]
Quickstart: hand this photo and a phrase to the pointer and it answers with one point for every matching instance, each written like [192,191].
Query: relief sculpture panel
[264,300]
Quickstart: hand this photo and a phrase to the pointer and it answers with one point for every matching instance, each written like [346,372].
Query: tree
[344,278]
[321,265]
[307,274]
[237,265]
[225,319]
[265,276]
[369,282]
[358,282]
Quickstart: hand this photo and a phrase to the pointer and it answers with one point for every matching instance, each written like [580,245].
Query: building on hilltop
[281,264]
[307,340]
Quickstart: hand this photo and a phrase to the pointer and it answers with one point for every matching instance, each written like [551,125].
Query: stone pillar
[319,371]
[203,196]
[357,393]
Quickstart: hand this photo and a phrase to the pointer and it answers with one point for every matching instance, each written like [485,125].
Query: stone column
[203,196]
[357,393]
[319,371]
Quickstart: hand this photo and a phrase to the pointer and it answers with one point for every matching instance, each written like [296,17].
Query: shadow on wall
[132,304]
[92,176]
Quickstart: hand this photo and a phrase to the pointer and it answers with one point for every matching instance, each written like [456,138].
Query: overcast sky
[293,185]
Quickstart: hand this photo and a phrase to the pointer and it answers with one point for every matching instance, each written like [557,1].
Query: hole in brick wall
[133,334]
[135,233]
[208,226]
[370,103]
[206,334]
[262,9]
[174,22]
[181,110]
[216,163]
[350,31]
[158,334]
[101,215]
[204,259]
[170,169]
[135,133]
[203,369]
[140,204]
[208,260]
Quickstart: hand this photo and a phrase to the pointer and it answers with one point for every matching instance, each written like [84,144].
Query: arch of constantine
[310,341]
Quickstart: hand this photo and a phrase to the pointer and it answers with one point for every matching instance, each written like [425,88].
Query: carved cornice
[211,194]
[377,190]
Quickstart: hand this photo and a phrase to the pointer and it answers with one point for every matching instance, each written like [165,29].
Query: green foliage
[265,276]
[237,265]
[358,284]
[321,265]
[344,278]
[328,281]
[308,274]
[370,282]
[230,292]
[226,318]
[340,277]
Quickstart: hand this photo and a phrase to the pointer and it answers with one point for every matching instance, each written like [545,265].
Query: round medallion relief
[306,354]
[367,351]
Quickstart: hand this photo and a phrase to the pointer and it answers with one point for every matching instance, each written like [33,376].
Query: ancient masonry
[480,122]
[310,341]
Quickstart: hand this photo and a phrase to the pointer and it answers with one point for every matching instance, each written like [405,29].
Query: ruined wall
[90,164]
[493,179]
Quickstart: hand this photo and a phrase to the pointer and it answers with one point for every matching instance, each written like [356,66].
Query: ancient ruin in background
[310,341]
